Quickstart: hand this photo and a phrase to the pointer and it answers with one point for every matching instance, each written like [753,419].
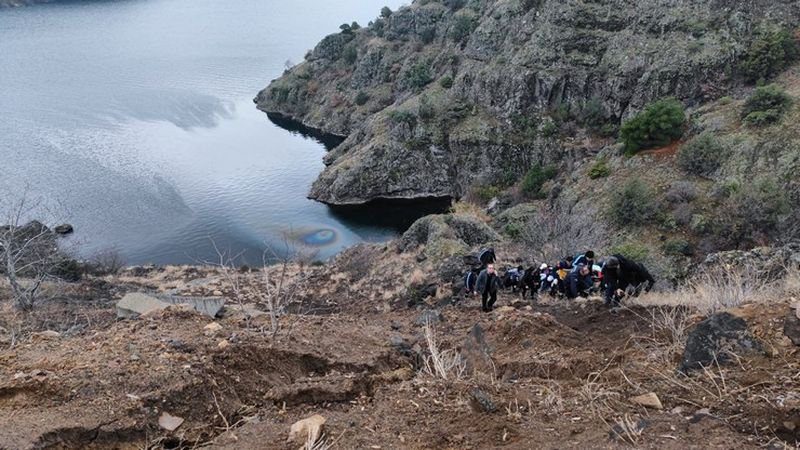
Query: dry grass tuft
[445,364]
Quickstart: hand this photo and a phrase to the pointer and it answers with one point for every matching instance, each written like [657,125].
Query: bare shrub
[276,287]
[107,262]
[445,364]
[29,253]
[555,232]
[670,327]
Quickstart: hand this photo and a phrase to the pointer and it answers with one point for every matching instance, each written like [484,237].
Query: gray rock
[714,339]
[481,401]
[476,352]
[63,229]
[135,304]
[791,326]
[429,316]
[210,306]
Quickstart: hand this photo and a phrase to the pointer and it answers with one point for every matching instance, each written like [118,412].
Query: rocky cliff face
[444,95]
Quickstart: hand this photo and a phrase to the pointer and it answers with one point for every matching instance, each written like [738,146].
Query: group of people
[615,276]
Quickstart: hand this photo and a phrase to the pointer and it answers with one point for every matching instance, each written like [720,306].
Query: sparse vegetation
[350,54]
[703,155]
[403,117]
[633,204]
[659,124]
[463,25]
[766,106]
[446,82]
[418,76]
[535,178]
[386,12]
[361,98]
[599,169]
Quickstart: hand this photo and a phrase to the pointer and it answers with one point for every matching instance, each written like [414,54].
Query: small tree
[770,53]
[659,124]
[386,12]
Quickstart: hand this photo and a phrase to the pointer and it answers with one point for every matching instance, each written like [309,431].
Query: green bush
[770,53]
[346,29]
[633,204]
[406,117]
[600,169]
[355,26]
[678,246]
[703,155]
[659,124]
[463,25]
[361,98]
[535,178]
[593,114]
[767,105]
[426,109]
[486,193]
[513,230]
[427,35]
[633,250]
[386,12]
[418,76]
[757,206]
[350,54]
[446,82]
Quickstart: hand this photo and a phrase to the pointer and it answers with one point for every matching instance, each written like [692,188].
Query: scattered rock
[210,306]
[169,422]
[63,229]
[791,326]
[223,344]
[621,431]
[135,304]
[429,316]
[649,400]
[476,352]
[211,328]
[713,339]
[307,430]
[480,401]
[48,334]
[217,293]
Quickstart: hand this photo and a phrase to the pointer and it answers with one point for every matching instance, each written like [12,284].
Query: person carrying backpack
[621,275]
[487,256]
[487,285]
[579,282]
[586,259]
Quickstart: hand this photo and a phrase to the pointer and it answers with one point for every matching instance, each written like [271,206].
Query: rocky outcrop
[438,97]
[770,262]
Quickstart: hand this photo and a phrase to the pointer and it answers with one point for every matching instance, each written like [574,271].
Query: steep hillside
[443,96]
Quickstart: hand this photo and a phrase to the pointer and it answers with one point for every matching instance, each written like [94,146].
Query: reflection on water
[136,119]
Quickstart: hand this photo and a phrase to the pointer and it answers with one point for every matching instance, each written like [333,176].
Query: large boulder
[716,339]
[770,262]
[446,235]
[508,65]
[134,304]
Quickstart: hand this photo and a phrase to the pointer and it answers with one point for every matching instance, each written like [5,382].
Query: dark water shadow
[396,215]
[287,123]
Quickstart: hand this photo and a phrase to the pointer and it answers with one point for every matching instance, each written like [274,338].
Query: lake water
[135,119]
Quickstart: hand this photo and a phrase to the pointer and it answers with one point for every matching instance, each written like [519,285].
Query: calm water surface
[135,119]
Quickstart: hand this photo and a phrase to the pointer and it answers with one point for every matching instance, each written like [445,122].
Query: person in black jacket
[579,282]
[621,274]
[488,284]
[487,256]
